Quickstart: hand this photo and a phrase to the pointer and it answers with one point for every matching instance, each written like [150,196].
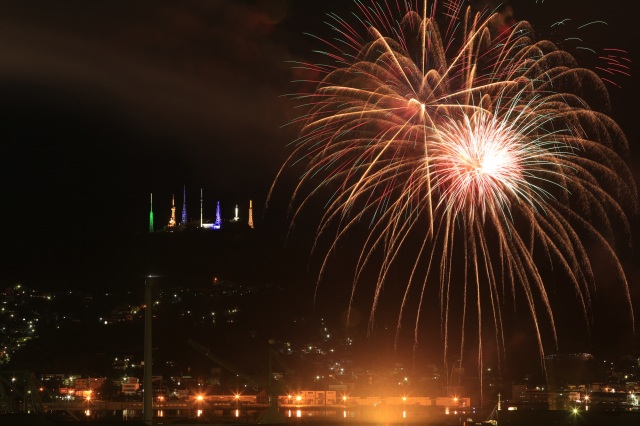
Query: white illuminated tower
[250,214]
[218,223]
[184,206]
[236,218]
[172,221]
[200,207]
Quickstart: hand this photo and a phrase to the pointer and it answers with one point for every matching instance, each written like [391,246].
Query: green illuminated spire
[151,215]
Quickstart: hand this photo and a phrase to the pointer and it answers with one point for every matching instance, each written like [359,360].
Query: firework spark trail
[490,152]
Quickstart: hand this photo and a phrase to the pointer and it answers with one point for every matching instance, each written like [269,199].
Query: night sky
[103,103]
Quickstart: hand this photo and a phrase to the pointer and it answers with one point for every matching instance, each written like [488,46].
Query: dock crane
[20,392]
[271,415]
[222,363]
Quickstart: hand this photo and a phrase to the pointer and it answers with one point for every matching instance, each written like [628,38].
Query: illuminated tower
[250,214]
[236,218]
[200,207]
[172,221]
[184,206]
[151,215]
[218,221]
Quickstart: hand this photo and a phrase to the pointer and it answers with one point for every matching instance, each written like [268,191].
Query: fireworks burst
[485,145]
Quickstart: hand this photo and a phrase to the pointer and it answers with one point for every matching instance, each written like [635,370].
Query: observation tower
[172,221]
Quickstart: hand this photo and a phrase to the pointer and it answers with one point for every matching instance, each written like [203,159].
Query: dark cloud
[183,68]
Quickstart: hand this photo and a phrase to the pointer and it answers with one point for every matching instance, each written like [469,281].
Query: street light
[237,398]
[199,399]
[88,410]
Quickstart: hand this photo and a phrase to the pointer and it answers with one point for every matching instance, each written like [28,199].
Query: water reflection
[339,414]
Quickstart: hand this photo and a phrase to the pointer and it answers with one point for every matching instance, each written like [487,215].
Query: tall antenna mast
[218,222]
[184,206]
[151,215]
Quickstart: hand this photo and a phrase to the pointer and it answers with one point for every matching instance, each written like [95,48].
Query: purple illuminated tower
[184,206]
[218,221]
